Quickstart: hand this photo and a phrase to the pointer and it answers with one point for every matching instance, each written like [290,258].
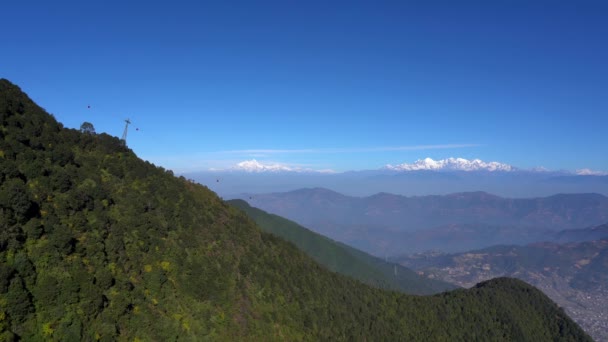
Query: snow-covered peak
[589,172]
[454,164]
[257,167]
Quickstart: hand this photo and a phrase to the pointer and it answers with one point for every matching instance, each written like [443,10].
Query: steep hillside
[96,244]
[343,259]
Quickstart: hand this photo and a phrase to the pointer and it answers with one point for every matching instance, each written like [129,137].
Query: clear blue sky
[322,84]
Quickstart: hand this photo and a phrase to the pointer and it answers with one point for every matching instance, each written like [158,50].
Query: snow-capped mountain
[423,177]
[427,164]
[254,166]
[455,164]
[589,172]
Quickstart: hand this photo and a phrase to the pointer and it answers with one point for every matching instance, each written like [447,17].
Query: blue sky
[323,84]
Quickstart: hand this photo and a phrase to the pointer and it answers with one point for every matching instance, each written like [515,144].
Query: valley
[574,275]
[554,243]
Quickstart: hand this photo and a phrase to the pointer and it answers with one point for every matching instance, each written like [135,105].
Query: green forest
[99,245]
[344,259]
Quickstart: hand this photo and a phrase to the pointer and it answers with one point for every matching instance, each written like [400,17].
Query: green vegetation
[96,244]
[344,259]
[87,128]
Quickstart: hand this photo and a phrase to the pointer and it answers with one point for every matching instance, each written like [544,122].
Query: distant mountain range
[426,164]
[575,275]
[423,177]
[257,167]
[393,224]
[459,164]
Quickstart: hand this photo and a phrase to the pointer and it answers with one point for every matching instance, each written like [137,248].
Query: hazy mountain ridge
[447,165]
[514,184]
[344,259]
[573,274]
[581,235]
[387,223]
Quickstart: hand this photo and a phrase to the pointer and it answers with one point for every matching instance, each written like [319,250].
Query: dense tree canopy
[96,244]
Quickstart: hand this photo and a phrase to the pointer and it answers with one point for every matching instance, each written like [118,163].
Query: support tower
[124,134]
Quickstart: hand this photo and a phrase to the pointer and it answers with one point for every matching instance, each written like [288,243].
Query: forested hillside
[574,274]
[96,244]
[344,259]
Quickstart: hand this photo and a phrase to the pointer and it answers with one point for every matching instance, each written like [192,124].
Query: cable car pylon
[124,134]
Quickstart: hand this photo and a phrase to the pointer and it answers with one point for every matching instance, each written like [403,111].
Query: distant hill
[580,235]
[394,224]
[343,259]
[514,184]
[99,245]
[575,274]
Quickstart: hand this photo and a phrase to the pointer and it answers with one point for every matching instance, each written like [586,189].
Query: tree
[87,128]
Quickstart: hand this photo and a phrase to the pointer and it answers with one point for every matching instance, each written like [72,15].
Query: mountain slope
[96,244]
[342,258]
[580,235]
[572,274]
